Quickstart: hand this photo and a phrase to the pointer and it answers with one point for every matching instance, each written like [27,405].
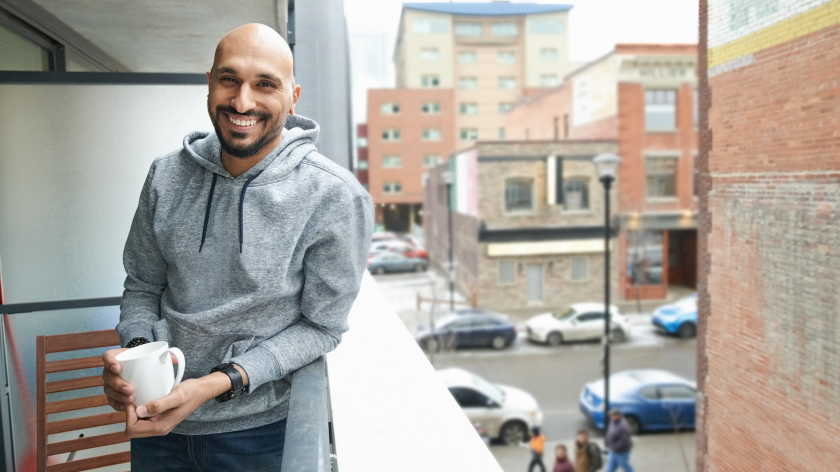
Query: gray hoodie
[260,270]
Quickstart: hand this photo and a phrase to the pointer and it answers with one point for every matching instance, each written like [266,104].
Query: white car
[507,413]
[384,246]
[578,322]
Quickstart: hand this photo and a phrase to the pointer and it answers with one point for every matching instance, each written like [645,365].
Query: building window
[501,133]
[431,134]
[468,29]
[469,133]
[467,83]
[580,269]
[505,106]
[660,110]
[696,109]
[393,188]
[548,80]
[644,257]
[20,54]
[430,81]
[661,177]
[467,57]
[575,195]
[431,108]
[507,272]
[390,135]
[361,142]
[363,165]
[548,55]
[429,54]
[390,108]
[519,194]
[503,29]
[546,26]
[432,160]
[507,83]
[429,26]
[392,162]
[469,109]
[506,57]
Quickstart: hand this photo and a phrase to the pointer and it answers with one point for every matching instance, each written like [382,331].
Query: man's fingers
[117,396]
[161,405]
[174,359]
[116,382]
[109,359]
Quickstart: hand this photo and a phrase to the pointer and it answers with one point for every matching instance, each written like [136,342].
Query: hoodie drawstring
[207,213]
[241,202]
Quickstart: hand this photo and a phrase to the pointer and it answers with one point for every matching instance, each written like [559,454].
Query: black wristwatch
[137,342]
[237,386]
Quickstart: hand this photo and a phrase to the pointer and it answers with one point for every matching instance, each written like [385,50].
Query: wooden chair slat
[73,364]
[76,404]
[74,384]
[86,443]
[76,341]
[85,422]
[91,463]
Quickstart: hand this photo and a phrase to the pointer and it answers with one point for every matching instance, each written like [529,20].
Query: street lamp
[448,178]
[607,166]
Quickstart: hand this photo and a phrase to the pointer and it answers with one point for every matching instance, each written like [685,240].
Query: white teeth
[241,122]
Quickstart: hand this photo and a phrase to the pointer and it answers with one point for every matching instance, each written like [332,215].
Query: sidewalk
[659,452]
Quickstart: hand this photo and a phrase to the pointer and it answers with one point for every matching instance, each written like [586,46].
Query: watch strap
[137,342]
[238,386]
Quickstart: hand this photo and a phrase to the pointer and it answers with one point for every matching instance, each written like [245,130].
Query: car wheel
[379,271]
[618,336]
[433,345]
[513,433]
[687,330]
[419,268]
[554,339]
[633,424]
[498,342]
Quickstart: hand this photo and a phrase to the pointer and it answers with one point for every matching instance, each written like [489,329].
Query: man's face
[582,438]
[615,418]
[252,93]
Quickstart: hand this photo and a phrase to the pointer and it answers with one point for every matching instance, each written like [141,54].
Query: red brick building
[769,339]
[642,96]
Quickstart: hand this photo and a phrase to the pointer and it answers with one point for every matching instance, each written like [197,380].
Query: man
[618,443]
[561,461]
[587,454]
[536,446]
[246,252]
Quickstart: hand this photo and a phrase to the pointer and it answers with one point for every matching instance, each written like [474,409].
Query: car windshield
[564,314]
[494,392]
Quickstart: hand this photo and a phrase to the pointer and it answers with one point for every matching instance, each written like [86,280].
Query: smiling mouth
[242,123]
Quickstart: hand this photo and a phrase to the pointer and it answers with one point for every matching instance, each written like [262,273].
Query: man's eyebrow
[229,70]
[270,77]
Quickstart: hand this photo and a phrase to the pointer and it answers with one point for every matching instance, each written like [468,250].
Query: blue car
[679,318]
[471,329]
[650,400]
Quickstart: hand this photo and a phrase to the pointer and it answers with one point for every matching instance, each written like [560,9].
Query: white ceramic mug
[148,368]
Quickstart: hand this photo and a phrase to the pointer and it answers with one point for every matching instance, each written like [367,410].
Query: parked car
[467,330]
[394,262]
[649,400]
[401,247]
[385,236]
[577,322]
[507,413]
[411,239]
[678,318]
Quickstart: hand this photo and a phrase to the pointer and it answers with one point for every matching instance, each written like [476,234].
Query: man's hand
[118,391]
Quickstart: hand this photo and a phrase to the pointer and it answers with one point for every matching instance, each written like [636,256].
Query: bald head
[255,39]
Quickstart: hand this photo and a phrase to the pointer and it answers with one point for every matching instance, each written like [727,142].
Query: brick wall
[769,338]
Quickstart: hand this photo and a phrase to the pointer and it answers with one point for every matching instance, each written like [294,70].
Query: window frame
[468,106]
[460,31]
[473,80]
[499,29]
[392,137]
[462,54]
[555,58]
[581,279]
[394,107]
[438,160]
[506,79]
[652,99]
[433,81]
[500,280]
[586,208]
[466,131]
[533,196]
[396,187]
[505,54]
[652,157]
[428,137]
[434,51]
[435,105]
[392,158]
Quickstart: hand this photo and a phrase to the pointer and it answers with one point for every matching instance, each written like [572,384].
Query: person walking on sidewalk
[618,442]
[536,446]
[562,462]
[587,454]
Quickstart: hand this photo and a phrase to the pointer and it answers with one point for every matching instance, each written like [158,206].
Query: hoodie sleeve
[145,270]
[333,267]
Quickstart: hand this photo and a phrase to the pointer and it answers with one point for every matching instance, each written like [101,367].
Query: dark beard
[272,129]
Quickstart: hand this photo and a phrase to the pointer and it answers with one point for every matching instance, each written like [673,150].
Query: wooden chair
[72,342]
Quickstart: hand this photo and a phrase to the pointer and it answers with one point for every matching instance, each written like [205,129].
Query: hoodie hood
[298,140]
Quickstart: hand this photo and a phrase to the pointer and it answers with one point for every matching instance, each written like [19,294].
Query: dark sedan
[467,330]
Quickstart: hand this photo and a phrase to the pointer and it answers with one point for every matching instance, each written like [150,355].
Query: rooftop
[488,9]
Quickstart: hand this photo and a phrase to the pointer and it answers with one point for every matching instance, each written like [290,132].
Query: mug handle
[181,364]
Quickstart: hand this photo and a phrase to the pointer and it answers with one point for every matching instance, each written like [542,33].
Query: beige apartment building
[489,55]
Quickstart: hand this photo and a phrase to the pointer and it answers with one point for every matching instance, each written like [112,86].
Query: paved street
[555,376]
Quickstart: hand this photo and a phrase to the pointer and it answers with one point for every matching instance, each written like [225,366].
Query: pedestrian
[482,433]
[561,461]
[587,454]
[618,443]
[537,444]
[247,251]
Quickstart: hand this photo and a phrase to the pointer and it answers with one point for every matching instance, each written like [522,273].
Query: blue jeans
[616,460]
[257,449]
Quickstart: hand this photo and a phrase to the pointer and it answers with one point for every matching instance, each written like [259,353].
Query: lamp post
[447,179]
[607,166]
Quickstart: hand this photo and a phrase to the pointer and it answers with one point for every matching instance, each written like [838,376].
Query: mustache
[229,109]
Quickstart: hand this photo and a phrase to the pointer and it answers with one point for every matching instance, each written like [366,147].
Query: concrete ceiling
[160,35]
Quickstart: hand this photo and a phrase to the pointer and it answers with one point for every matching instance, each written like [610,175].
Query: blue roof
[488,9]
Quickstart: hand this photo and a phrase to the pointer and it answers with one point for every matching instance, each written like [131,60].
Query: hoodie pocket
[202,351]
